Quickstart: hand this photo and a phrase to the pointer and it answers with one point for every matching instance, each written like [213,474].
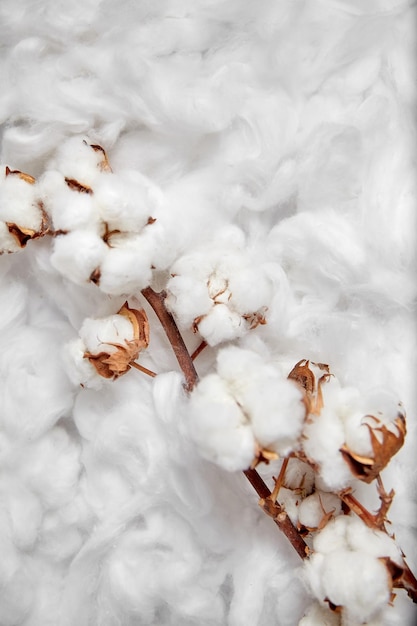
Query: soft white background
[242,112]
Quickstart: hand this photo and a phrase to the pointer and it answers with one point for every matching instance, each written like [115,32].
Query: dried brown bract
[303,374]
[385,443]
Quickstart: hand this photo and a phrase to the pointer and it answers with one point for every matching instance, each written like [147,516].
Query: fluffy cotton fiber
[274,145]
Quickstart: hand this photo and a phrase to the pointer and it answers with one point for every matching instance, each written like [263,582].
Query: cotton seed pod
[22,215]
[115,358]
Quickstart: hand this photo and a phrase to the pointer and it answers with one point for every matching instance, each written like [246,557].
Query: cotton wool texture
[261,171]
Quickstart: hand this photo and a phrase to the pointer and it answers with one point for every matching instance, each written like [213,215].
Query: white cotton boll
[219,427]
[313,509]
[250,288]
[77,160]
[276,411]
[324,435]
[299,475]
[290,501]
[18,202]
[79,369]
[333,537]
[187,298]
[69,209]
[77,254]
[357,436]
[357,581]
[98,335]
[126,200]
[126,269]
[221,324]
[318,615]
[374,542]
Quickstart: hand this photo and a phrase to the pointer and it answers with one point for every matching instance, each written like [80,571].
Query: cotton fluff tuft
[248,404]
[232,285]
[351,573]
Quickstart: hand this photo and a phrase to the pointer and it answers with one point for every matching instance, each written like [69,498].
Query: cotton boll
[218,426]
[272,403]
[325,434]
[18,202]
[126,200]
[276,410]
[77,160]
[98,335]
[374,542]
[78,254]
[221,324]
[69,209]
[333,536]
[313,509]
[299,475]
[187,298]
[126,269]
[356,581]
[250,288]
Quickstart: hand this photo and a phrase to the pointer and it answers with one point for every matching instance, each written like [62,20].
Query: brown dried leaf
[104,165]
[304,376]
[21,234]
[139,321]
[367,468]
[76,186]
[26,177]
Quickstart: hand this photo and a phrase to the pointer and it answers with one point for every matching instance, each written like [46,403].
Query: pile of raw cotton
[207,275]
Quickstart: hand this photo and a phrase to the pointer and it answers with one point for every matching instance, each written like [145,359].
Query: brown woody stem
[278,514]
[157,302]
[142,369]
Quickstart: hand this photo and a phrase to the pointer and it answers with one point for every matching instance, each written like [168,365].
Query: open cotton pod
[22,216]
[106,347]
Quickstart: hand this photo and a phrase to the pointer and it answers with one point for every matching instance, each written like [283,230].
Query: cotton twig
[273,509]
[157,302]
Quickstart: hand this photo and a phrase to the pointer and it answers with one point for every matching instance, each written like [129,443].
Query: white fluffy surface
[274,144]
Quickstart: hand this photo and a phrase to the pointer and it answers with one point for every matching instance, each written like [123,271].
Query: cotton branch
[273,509]
[157,302]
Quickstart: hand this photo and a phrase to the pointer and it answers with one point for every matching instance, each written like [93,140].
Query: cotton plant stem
[275,510]
[157,302]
